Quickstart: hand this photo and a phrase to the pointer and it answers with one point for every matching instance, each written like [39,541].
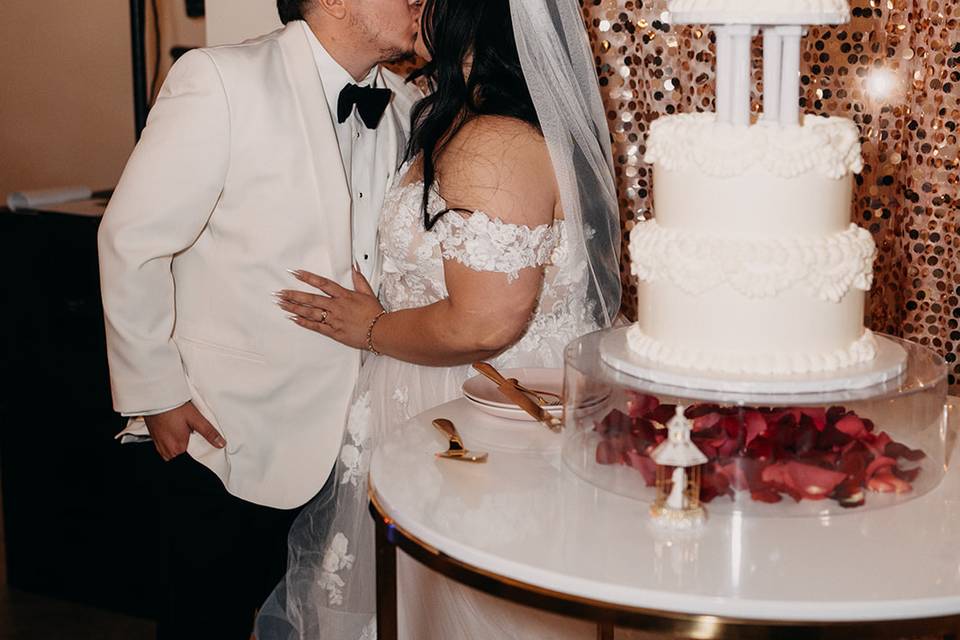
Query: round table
[524,527]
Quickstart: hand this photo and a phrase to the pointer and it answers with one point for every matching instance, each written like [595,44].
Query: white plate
[483,394]
[515,413]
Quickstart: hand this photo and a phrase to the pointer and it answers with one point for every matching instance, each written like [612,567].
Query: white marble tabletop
[524,516]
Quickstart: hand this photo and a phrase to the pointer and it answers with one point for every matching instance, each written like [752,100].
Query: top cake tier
[761,12]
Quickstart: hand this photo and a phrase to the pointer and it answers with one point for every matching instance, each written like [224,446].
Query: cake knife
[522,400]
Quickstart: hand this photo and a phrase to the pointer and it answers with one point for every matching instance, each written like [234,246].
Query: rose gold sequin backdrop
[894,69]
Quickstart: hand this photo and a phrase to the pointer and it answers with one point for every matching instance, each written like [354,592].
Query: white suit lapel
[331,180]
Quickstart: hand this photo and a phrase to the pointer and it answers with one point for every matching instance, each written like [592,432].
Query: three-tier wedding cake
[752,266]
[752,282]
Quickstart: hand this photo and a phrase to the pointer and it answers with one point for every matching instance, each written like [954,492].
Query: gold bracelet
[373,323]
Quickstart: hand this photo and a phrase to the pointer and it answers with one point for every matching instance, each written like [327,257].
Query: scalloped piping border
[827,267]
[829,146]
[861,351]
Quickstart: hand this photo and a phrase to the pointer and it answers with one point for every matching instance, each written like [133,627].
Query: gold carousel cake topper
[677,505]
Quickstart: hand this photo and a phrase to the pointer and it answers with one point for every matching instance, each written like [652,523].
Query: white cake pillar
[724,74]
[733,73]
[772,63]
[790,75]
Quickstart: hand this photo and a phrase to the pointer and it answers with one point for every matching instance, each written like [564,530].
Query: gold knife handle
[518,397]
[446,427]
[490,372]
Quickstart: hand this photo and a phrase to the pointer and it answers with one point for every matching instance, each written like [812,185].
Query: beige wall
[230,21]
[66,106]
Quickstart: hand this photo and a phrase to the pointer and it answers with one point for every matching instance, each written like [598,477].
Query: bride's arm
[500,169]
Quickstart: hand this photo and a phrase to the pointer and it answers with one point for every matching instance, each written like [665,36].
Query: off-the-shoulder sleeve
[483,243]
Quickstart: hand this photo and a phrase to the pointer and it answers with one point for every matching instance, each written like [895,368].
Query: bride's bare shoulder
[499,165]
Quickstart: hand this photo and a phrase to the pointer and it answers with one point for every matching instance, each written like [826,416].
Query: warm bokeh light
[881,84]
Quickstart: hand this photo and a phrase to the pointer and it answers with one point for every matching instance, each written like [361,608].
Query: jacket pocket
[223,349]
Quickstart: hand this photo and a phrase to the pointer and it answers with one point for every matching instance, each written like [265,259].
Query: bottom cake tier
[802,454]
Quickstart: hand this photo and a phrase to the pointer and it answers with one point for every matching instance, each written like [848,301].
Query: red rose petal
[606,453]
[852,426]
[766,495]
[897,450]
[886,482]
[880,463]
[643,464]
[804,452]
[909,475]
[714,482]
[699,410]
[704,422]
[663,413]
[754,424]
[877,443]
[818,415]
[639,405]
[832,438]
[808,481]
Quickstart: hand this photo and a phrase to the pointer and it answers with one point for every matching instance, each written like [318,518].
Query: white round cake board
[890,363]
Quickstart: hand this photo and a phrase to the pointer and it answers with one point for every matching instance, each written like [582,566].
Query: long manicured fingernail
[279,293]
[292,317]
[294,272]
[220,443]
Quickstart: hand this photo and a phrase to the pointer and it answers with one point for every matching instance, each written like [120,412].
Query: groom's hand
[171,430]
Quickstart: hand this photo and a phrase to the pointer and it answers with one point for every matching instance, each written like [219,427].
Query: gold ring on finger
[323,317]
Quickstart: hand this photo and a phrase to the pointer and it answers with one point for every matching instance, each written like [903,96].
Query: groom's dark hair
[292,9]
[452,30]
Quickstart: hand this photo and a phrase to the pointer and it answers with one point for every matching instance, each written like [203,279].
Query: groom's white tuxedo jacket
[238,177]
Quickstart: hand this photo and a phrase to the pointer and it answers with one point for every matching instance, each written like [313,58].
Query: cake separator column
[790,75]
[772,63]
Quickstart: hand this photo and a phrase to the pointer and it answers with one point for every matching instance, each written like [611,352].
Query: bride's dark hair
[453,31]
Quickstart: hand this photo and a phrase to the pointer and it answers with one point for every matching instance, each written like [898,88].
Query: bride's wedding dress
[330,591]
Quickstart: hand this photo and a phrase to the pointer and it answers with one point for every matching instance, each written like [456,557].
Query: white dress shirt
[358,148]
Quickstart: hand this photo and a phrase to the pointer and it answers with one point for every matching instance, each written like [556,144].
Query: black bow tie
[371,103]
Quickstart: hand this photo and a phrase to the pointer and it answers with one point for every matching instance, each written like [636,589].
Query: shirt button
[366,257]
[361,195]
[358,135]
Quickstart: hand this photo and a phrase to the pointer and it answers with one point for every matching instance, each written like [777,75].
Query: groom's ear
[334,8]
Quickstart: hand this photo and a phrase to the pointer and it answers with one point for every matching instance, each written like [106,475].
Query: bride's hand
[341,314]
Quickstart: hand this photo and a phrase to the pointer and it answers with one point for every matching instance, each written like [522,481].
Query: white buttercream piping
[756,11]
[862,350]
[754,266]
[686,141]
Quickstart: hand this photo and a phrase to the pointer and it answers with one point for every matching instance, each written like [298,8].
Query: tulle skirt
[329,592]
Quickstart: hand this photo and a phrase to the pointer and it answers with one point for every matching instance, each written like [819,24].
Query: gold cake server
[456,451]
[518,397]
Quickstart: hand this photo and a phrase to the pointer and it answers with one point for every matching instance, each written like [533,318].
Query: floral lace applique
[483,243]
[412,258]
[401,395]
[335,559]
[370,631]
[351,453]
[412,268]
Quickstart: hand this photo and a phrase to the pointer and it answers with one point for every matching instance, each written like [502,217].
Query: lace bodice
[412,261]
[328,594]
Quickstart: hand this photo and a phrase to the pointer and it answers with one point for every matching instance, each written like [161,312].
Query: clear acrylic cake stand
[910,407]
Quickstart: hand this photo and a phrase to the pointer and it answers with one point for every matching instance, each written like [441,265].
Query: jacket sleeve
[161,205]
